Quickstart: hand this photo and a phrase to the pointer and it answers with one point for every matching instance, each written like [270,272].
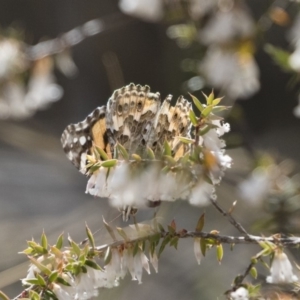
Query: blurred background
[42,190]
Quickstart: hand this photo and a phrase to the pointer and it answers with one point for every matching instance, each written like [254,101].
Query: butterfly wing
[79,139]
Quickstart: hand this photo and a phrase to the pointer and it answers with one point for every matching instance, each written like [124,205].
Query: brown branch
[230,218]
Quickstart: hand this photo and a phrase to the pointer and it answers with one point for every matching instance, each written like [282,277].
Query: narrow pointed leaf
[150,153]
[206,111]
[186,140]
[107,256]
[75,248]
[122,233]
[53,276]
[193,118]
[62,281]
[167,149]
[34,295]
[92,264]
[200,223]
[210,98]
[163,245]
[219,252]
[197,103]
[44,241]
[110,230]
[136,157]
[41,280]
[253,272]
[171,161]
[123,151]
[90,236]
[109,163]
[203,246]
[102,153]
[174,242]
[60,241]
[216,101]
[40,266]
[135,249]
[3,296]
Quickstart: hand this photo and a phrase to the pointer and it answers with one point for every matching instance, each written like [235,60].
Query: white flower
[12,58]
[136,264]
[149,10]
[154,261]
[198,8]
[201,194]
[227,25]
[63,292]
[240,294]
[244,73]
[256,187]
[281,270]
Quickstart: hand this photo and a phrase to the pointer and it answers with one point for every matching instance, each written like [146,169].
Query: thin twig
[230,218]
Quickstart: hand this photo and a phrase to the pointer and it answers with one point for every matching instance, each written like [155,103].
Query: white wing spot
[82,140]
[75,140]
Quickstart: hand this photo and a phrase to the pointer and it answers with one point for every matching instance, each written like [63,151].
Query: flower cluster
[74,273]
[138,181]
[225,38]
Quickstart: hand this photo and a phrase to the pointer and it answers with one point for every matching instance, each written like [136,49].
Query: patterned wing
[78,139]
[130,116]
[171,122]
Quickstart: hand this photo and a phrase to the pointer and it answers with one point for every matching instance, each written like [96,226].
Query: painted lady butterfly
[133,117]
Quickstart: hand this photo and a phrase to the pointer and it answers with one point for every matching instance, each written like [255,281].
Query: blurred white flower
[201,194]
[240,294]
[226,26]
[243,80]
[12,58]
[256,187]
[281,270]
[198,8]
[149,10]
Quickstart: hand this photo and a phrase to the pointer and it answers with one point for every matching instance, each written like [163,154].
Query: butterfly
[134,117]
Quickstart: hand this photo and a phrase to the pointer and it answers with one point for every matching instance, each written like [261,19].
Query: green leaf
[53,276]
[167,149]
[216,101]
[123,151]
[219,108]
[165,241]
[92,264]
[253,272]
[60,241]
[174,242]
[170,160]
[186,140]
[44,241]
[110,230]
[41,280]
[200,223]
[102,153]
[34,295]
[150,153]
[206,111]
[109,163]
[122,233]
[136,157]
[75,248]
[27,251]
[197,103]
[3,296]
[193,118]
[135,249]
[40,266]
[203,246]
[161,228]
[62,281]
[210,98]
[281,57]
[33,281]
[90,236]
[219,252]
[107,256]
